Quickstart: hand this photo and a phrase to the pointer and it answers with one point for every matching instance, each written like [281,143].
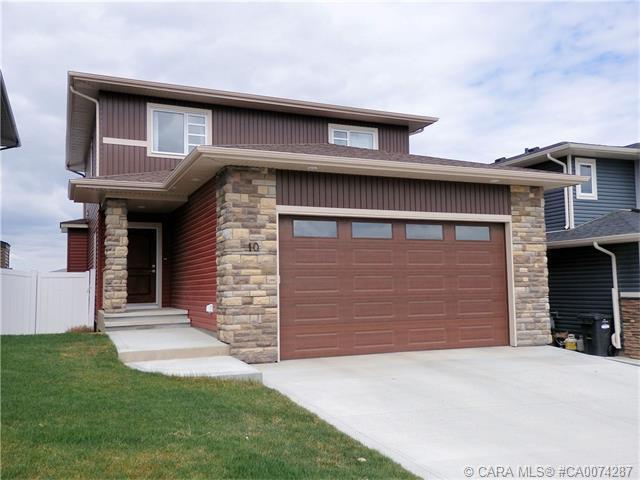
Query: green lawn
[70,409]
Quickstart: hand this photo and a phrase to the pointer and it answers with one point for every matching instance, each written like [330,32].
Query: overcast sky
[499,76]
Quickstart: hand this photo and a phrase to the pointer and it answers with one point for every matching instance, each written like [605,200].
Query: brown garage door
[356,286]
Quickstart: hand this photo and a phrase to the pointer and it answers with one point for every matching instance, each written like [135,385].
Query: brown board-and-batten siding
[125,117]
[313,189]
[95,248]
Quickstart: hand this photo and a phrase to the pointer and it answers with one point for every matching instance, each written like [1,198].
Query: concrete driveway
[438,412]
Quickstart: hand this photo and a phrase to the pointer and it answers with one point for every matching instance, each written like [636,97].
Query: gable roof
[81,111]
[536,154]
[615,227]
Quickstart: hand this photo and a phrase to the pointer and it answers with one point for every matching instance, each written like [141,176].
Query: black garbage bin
[596,331]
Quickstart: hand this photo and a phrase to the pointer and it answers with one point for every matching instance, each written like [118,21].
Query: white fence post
[49,302]
[91,290]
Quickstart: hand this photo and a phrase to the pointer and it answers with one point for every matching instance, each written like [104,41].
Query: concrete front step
[143,319]
[221,367]
[165,344]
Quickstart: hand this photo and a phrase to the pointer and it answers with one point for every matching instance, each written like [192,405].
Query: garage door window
[469,232]
[371,230]
[416,231]
[315,228]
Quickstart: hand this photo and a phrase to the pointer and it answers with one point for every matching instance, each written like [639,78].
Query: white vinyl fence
[45,302]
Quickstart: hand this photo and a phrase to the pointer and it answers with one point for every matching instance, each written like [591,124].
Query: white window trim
[594,179]
[151,107]
[352,128]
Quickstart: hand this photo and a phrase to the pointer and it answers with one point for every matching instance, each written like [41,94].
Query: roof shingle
[620,222]
[325,149]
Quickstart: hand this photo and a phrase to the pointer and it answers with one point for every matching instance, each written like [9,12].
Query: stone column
[630,313]
[247,300]
[115,257]
[533,326]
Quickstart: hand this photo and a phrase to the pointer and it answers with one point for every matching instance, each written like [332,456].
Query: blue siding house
[593,229]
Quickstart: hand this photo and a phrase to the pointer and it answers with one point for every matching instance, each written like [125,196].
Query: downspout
[615,337]
[567,220]
[570,189]
[91,99]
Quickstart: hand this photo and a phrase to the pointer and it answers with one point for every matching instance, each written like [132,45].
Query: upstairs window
[589,189]
[350,136]
[176,131]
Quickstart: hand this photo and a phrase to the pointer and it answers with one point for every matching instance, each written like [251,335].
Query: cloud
[501,76]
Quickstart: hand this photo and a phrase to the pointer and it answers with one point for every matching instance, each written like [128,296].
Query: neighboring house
[601,213]
[9,137]
[77,244]
[5,254]
[298,229]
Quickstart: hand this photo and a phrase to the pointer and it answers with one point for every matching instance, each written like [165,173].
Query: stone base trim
[530,274]
[247,295]
[630,312]
[116,243]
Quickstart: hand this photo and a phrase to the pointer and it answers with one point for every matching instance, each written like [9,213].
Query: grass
[70,409]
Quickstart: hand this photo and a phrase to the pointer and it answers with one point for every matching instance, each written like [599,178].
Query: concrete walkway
[438,412]
[180,351]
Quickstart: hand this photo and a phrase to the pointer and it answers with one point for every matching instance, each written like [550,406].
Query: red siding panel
[312,189]
[95,247]
[125,116]
[193,256]
[77,250]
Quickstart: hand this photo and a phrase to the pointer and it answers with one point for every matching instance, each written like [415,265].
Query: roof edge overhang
[73,225]
[10,135]
[90,84]
[585,242]
[576,149]
[205,161]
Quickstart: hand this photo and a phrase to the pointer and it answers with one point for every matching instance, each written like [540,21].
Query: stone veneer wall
[630,312]
[115,249]
[530,266]
[246,279]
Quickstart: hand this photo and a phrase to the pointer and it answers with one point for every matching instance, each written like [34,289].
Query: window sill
[178,156]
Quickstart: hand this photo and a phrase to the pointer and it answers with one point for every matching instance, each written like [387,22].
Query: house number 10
[254,247]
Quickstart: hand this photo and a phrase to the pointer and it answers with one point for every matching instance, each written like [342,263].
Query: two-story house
[298,229]
[593,234]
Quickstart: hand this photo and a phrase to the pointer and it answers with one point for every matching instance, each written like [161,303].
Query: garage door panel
[475,307]
[367,311]
[316,257]
[349,296]
[427,309]
[320,342]
[474,334]
[327,313]
[427,337]
[373,338]
[476,283]
[425,257]
[372,257]
[316,284]
[374,283]
[421,283]
[475,258]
